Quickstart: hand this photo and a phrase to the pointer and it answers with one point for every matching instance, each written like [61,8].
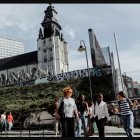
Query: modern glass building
[9,47]
[107,55]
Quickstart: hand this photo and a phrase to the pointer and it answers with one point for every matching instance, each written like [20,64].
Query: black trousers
[100,126]
[67,127]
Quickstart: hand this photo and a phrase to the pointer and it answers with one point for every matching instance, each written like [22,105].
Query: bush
[26,98]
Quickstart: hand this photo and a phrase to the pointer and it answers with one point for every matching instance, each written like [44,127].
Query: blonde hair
[66,90]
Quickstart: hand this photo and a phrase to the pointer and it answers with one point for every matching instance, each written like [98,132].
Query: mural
[35,75]
[19,76]
[96,72]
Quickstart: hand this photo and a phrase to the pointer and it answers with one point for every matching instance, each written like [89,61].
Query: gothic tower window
[45,58]
[45,51]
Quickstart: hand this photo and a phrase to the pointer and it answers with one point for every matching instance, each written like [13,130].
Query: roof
[18,60]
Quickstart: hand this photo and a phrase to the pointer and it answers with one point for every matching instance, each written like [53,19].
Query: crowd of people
[6,121]
[77,114]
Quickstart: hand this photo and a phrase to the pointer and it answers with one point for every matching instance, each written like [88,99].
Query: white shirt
[69,107]
[3,117]
[101,110]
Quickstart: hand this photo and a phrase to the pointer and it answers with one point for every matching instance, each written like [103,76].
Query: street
[110,131]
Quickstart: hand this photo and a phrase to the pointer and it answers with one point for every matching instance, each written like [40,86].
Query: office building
[9,47]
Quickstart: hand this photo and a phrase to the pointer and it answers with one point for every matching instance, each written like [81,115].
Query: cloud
[22,22]
[129,60]
[69,31]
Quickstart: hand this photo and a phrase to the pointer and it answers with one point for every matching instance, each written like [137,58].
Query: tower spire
[50,22]
[40,36]
[50,3]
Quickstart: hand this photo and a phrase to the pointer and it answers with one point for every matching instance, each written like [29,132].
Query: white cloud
[69,31]
[23,22]
[130,60]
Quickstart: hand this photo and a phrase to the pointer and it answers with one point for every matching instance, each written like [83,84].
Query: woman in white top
[67,111]
[4,121]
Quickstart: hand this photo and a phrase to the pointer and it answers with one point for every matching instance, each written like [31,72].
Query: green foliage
[42,96]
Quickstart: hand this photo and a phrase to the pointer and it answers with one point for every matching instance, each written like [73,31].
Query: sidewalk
[116,131]
[110,131]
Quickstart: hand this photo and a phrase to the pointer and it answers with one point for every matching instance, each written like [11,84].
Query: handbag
[61,110]
[92,119]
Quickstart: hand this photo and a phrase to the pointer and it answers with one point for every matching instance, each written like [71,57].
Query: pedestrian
[135,105]
[90,129]
[68,112]
[111,109]
[55,114]
[4,124]
[125,108]
[10,121]
[82,108]
[100,114]
[55,108]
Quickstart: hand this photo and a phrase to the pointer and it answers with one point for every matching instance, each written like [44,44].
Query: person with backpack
[67,112]
[82,108]
[127,118]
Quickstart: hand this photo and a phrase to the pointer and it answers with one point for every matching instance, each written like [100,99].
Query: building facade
[9,47]
[136,87]
[128,82]
[52,48]
[97,56]
[50,58]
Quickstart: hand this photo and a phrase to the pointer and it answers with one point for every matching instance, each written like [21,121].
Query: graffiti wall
[30,73]
[95,72]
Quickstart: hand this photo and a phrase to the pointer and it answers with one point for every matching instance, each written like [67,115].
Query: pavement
[110,131]
[113,131]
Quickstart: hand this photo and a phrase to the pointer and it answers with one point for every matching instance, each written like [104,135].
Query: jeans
[4,125]
[82,121]
[128,124]
[10,125]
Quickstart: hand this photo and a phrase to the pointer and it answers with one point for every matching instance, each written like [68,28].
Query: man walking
[82,108]
[100,114]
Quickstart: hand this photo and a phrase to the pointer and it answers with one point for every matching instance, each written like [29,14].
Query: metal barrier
[31,131]
[41,131]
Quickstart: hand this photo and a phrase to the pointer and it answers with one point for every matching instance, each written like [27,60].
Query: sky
[22,22]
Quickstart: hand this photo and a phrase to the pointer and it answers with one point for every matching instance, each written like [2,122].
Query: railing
[33,131]
[41,131]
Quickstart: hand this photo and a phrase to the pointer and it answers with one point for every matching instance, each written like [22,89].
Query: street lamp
[81,49]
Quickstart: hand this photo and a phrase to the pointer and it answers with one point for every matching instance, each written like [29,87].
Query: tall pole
[118,61]
[88,70]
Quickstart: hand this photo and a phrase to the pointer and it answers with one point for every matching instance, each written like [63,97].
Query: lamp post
[118,61]
[81,49]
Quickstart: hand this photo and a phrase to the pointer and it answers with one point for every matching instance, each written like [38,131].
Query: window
[51,58]
[44,50]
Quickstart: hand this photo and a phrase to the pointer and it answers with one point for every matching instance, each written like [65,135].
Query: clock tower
[52,48]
